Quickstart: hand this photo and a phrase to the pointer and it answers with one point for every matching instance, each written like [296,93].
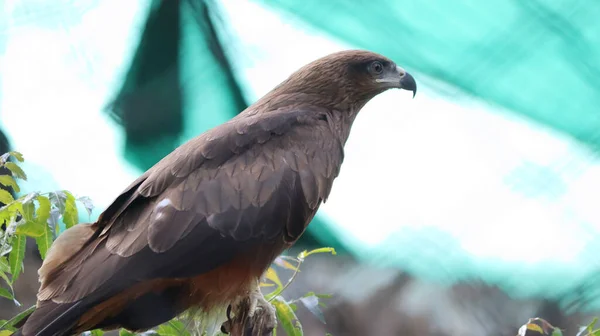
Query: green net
[178,66]
[540,59]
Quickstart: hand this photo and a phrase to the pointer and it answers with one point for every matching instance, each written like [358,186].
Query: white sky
[432,161]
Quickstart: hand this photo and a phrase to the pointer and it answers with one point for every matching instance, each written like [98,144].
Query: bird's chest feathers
[227,282]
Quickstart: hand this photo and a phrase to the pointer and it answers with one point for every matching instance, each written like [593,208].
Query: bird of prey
[199,228]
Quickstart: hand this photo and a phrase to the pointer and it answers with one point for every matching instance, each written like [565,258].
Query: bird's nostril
[401,72]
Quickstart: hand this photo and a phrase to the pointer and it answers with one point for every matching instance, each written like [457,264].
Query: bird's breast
[229,281]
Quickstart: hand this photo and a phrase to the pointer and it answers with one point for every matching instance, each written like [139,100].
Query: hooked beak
[407,82]
[399,79]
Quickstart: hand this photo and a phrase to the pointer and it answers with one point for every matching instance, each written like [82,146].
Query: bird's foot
[253,316]
[259,305]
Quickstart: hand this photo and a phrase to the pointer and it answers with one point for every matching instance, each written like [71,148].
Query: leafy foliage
[540,327]
[36,215]
[40,215]
[589,330]
[9,325]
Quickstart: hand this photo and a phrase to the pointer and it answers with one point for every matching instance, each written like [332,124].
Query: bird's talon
[252,315]
[225,327]
[229,318]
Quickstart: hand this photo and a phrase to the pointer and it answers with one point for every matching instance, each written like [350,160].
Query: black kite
[201,227]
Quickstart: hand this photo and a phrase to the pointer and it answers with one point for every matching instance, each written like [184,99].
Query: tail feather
[52,319]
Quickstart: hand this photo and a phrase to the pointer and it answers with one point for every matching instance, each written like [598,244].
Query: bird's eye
[376,67]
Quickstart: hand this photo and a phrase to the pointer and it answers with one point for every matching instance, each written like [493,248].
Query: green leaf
[4,266]
[172,328]
[8,328]
[4,215]
[16,170]
[9,181]
[5,278]
[45,240]
[70,215]
[16,155]
[590,327]
[9,212]
[54,217]
[272,275]
[18,318]
[6,294]
[27,210]
[311,303]
[58,198]
[43,211]
[124,332]
[266,284]
[305,253]
[5,197]
[96,332]
[87,204]
[16,208]
[287,317]
[31,229]
[5,332]
[16,256]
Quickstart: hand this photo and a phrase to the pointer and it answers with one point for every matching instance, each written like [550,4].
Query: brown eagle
[199,228]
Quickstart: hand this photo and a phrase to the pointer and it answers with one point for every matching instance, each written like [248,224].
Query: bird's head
[350,76]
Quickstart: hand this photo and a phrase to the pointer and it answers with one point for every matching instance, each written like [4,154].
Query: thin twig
[278,291]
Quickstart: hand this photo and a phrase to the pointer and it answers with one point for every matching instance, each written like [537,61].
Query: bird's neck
[342,118]
[342,112]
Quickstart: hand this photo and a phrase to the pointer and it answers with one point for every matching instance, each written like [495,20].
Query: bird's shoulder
[241,164]
[245,132]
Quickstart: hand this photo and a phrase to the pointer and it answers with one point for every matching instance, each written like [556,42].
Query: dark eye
[376,67]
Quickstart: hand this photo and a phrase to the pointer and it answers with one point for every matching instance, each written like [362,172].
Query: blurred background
[464,211]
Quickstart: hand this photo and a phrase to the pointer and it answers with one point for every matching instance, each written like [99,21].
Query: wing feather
[246,182]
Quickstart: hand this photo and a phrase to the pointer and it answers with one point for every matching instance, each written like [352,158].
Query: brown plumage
[202,225]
